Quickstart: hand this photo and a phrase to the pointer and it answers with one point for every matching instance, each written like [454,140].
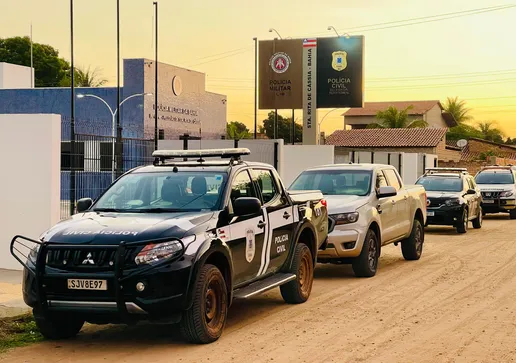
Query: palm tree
[85,78]
[394,119]
[490,132]
[457,109]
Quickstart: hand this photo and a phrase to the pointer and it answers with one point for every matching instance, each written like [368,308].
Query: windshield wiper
[107,210]
[157,210]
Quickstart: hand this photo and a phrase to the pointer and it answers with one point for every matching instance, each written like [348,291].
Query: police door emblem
[250,245]
[339,60]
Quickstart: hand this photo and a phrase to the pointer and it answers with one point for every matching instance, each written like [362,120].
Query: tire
[57,326]
[412,247]
[462,227]
[204,322]
[477,222]
[298,291]
[366,264]
[512,214]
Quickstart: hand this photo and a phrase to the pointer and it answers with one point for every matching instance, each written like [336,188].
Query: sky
[472,57]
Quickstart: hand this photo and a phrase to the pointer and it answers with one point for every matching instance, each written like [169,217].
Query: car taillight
[323,202]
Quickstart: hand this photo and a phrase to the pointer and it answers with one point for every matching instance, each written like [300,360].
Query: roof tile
[413,137]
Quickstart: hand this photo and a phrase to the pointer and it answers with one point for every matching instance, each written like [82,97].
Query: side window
[380,180]
[266,184]
[471,183]
[242,186]
[392,179]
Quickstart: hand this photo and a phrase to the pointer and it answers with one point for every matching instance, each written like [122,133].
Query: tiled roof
[414,137]
[371,108]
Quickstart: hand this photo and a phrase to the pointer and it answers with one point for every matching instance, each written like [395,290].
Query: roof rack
[499,167]
[234,154]
[462,171]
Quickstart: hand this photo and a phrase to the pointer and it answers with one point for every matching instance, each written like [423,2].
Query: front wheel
[366,264]
[297,291]
[462,226]
[477,222]
[205,320]
[57,326]
[412,247]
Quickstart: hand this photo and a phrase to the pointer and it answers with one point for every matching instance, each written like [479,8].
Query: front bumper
[444,216]
[498,205]
[344,241]
[166,284]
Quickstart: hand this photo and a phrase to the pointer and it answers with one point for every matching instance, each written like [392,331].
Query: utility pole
[255,86]
[156,81]
[72,117]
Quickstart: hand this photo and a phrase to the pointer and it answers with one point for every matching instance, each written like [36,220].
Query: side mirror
[84,204]
[471,192]
[246,206]
[385,192]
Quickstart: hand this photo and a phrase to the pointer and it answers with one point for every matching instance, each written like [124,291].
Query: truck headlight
[345,218]
[33,254]
[507,193]
[452,202]
[158,252]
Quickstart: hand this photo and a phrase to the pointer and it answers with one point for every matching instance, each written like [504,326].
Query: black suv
[453,198]
[176,241]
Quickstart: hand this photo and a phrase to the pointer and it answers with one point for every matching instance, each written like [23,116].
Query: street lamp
[331,27]
[113,121]
[327,115]
[274,30]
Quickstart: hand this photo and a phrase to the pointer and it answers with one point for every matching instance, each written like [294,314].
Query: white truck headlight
[507,193]
[345,218]
[158,252]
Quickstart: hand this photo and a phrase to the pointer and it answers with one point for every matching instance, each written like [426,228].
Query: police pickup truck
[174,242]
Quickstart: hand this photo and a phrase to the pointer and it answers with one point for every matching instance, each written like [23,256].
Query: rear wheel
[512,213]
[477,222]
[462,226]
[366,264]
[57,326]
[297,291]
[412,247]
[205,320]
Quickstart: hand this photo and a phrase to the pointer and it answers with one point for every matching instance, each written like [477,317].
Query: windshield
[440,184]
[164,192]
[334,182]
[493,177]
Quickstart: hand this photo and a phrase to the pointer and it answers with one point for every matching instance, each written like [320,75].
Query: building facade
[184,105]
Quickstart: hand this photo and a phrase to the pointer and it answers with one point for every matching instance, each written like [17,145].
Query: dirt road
[457,304]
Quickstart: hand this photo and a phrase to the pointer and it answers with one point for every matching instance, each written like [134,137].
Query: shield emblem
[339,60]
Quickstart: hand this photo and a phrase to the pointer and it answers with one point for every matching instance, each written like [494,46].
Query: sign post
[310,125]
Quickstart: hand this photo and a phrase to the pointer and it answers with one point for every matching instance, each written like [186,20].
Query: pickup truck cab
[369,207]
[453,198]
[498,187]
[173,242]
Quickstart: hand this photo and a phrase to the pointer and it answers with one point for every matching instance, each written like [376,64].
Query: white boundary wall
[297,158]
[30,156]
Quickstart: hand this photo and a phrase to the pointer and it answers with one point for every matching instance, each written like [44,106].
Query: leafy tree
[394,119]
[463,131]
[236,130]
[457,109]
[284,128]
[490,132]
[49,68]
[85,78]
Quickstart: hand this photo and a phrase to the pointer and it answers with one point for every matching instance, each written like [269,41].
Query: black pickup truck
[174,242]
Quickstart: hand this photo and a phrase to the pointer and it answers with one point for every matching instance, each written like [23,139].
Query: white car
[498,187]
[368,207]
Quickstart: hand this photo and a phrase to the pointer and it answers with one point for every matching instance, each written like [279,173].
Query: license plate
[430,213]
[488,201]
[82,284]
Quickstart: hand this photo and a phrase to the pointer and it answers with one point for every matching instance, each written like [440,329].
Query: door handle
[379,209]
[261,224]
[405,197]
[286,215]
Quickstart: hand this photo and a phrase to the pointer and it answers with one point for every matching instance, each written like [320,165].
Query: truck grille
[491,195]
[436,202]
[87,260]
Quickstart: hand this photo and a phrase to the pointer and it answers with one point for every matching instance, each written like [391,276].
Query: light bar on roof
[461,170]
[221,153]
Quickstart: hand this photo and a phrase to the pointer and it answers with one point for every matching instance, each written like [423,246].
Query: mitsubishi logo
[88,260]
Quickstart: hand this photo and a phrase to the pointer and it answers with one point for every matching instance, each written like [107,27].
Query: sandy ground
[457,304]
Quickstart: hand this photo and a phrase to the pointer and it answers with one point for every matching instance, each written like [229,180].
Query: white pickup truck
[368,207]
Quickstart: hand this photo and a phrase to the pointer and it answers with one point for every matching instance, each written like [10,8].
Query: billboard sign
[280,74]
[340,72]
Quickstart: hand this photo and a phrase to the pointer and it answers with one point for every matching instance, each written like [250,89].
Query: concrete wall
[297,158]
[15,76]
[435,118]
[30,150]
